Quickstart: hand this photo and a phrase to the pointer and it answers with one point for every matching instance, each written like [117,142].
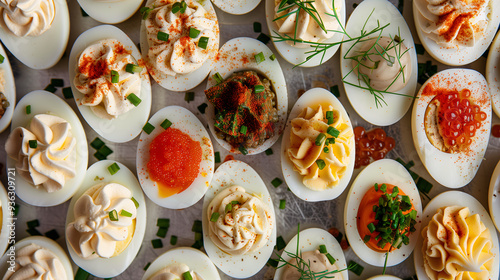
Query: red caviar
[374,144]
[174,161]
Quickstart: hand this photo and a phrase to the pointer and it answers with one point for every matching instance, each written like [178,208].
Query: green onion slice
[28,109]
[162,36]
[193,32]
[218,78]
[113,215]
[115,76]
[276,182]
[125,213]
[258,88]
[333,131]
[148,128]
[321,164]
[166,124]
[282,204]
[322,249]
[135,202]
[260,57]
[243,130]
[113,168]
[187,275]
[229,207]
[33,144]
[173,240]
[320,139]
[203,42]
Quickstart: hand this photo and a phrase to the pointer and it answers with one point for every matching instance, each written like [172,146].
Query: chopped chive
[419,49]
[243,130]
[147,266]
[335,90]
[276,182]
[16,209]
[67,93]
[330,258]
[214,217]
[326,150]
[115,77]
[243,150]
[198,236]
[263,38]
[272,57]
[50,88]
[193,32]
[28,109]
[134,99]
[259,57]
[162,222]
[217,157]
[145,12]
[99,156]
[33,223]
[166,124]
[257,27]
[273,263]
[183,7]
[173,240]
[52,234]
[84,14]
[80,273]
[371,227]
[321,164]
[366,238]
[202,108]
[125,213]
[229,207]
[282,204]
[269,152]
[33,144]
[322,249]
[57,82]
[33,232]
[113,215]
[258,88]
[162,36]
[113,168]
[203,42]
[197,227]
[132,68]
[176,7]
[189,96]
[105,151]
[280,243]
[162,232]
[320,139]
[157,243]
[97,143]
[424,185]
[333,131]
[355,268]
[148,128]
[1,59]
[218,78]
[197,244]
[135,202]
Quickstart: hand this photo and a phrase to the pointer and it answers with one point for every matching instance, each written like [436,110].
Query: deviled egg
[47,148]
[451,123]
[493,74]
[243,81]
[236,7]
[190,158]
[35,31]
[114,97]
[494,196]
[384,277]
[7,91]
[5,214]
[313,169]
[106,220]
[238,201]
[110,11]
[380,88]
[385,176]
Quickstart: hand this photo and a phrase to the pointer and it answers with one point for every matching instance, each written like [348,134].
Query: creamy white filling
[317,262]
[27,17]
[174,272]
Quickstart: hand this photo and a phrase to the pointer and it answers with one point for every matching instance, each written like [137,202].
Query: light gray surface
[319,214]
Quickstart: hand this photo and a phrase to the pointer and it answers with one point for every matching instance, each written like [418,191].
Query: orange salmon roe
[174,161]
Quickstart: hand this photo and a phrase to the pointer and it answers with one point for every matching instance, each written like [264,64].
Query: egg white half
[98,174]
[236,7]
[384,277]
[44,51]
[460,168]
[457,56]
[451,198]
[494,196]
[381,171]
[9,90]
[298,55]
[44,102]
[180,82]
[493,74]
[238,173]
[195,259]
[238,55]
[362,100]
[5,230]
[293,179]
[310,240]
[127,126]
[110,11]
[188,123]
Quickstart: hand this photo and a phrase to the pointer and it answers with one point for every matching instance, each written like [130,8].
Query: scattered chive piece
[355,268]
[243,150]
[81,274]
[197,244]
[189,96]
[173,240]
[282,204]
[135,202]
[125,213]
[67,93]
[333,131]
[113,215]
[258,88]
[198,236]
[424,185]
[84,14]
[197,227]
[33,223]
[33,144]
[157,243]
[166,124]
[218,78]
[176,7]
[329,117]
[115,77]
[134,99]
[145,12]
[183,6]
[419,49]
[113,168]
[272,263]
[371,227]
[272,57]
[367,238]
[229,207]
[257,27]
[97,143]
[320,139]
[50,88]
[52,234]
[105,151]
[132,68]
[33,232]
[280,243]
[217,157]
[322,249]
[269,152]
[99,156]
[202,108]
[193,32]
[1,59]
[243,130]
[259,57]
[263,38]
[214,217]
[162,222]
[16,209]
[203,42]
[321,164]
[162,36]
[147,266]
[330,258]
[57,82]
[162,232]
[335,90]
[326,150]
[276,182]
[28,109]
[148,128]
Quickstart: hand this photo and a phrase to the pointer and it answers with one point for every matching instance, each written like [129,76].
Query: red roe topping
[174,161]
[374,144]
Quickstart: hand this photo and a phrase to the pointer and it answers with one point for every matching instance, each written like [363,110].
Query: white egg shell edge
[296,55]
[236,7]
[44,51]
[44,242]
[384,277]
[270,69]
[6,218]
[362,100]
[9,90]
[44,102]
[129,125]
[228,174]
[195,259]
[457,56]
[310,240]
[180,82]
[110,11]
[101,267]
[494,196]
[451,198]
[493,74]
[460,168]
[381,171]
[188,123]
[293,179]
